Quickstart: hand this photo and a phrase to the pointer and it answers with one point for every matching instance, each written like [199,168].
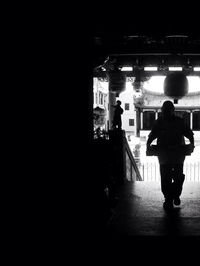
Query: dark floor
[141,231]
[140,212]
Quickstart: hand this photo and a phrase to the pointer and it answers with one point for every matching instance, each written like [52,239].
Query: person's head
[119,102]
[167,109]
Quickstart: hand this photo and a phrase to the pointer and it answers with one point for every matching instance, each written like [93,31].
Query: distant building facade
[142,108]
[149,110]
[100,99]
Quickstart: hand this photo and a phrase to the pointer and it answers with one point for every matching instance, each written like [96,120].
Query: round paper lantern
[176,85]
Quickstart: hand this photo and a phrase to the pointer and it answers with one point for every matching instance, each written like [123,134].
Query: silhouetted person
[169,130]
[117,121]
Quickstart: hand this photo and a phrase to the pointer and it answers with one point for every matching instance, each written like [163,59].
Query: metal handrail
[133,163]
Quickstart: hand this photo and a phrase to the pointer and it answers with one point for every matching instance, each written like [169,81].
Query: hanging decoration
[176,86]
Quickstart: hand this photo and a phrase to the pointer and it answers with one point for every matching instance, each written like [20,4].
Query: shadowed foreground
[140,212]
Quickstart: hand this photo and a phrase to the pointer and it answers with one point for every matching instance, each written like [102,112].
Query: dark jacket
[170,135]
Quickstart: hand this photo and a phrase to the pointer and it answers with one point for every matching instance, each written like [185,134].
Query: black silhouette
[169,130]
[117,122]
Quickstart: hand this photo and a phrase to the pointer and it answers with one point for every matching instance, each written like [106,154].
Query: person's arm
[189,135]
[191,139]
[150,139]
[153,134]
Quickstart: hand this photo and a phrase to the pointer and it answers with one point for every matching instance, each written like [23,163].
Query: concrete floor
[140,212]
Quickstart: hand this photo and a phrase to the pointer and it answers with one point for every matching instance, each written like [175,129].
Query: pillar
[112,101]
[191,119]
[141,119]
[138,122]
[156,115]
[117,84]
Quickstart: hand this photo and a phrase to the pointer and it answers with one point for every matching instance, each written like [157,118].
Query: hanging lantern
[137,86]
[117,81]
[176,86]
[140,78]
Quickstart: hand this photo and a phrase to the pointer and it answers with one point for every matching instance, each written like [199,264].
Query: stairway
[140,212]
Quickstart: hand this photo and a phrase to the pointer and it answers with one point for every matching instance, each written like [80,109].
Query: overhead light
[196,68]
[150,68]
[126,69]
[175,68]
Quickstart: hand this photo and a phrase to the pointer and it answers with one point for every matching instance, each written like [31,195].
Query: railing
[151,171]
[192,171]
[132,171]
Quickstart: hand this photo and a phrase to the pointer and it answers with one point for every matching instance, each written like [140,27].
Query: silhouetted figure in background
[117,122]
[170,131]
